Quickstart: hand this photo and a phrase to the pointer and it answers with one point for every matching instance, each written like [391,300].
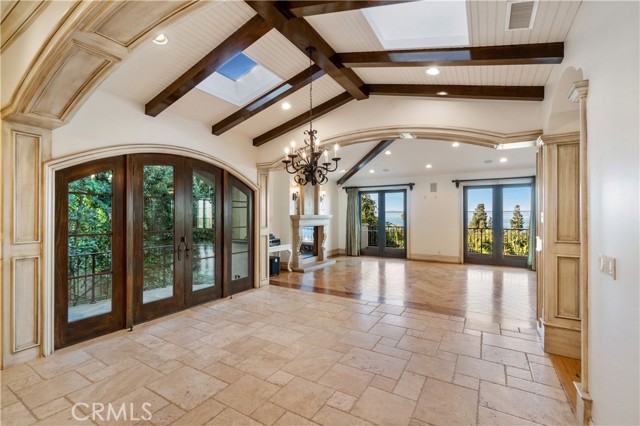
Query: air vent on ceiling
[521,15]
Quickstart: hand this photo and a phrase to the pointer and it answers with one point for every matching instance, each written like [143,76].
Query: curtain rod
[410,185]
[457,181]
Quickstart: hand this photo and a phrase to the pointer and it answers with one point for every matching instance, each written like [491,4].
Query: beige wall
[604,44]
[434,218]
[106,121]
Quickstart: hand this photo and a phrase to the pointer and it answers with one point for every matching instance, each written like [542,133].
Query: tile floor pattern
[277,356]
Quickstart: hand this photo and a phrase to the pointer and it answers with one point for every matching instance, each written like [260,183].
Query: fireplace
[309,235]
[309,244]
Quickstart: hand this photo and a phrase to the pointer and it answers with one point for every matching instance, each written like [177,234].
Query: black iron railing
[395,235]
[515,241]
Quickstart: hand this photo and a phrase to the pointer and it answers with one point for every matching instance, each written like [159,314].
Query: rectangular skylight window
[239,81]
[237,66]
[420,24]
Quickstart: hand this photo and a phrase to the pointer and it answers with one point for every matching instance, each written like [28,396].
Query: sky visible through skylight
[510,197]
[238,66]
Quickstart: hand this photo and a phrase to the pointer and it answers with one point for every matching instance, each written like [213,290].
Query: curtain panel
[353,222]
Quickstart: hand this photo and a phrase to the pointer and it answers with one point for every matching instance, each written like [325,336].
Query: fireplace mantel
[320,222]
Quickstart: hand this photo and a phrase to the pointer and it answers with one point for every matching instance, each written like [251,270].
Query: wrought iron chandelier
[305,162]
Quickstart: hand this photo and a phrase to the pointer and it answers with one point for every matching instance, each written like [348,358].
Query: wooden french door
[497,219]
[238,236]
[89,244]
[384,227]
[177,234]
[180,251]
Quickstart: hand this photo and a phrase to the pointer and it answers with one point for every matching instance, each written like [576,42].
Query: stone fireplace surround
[298,263]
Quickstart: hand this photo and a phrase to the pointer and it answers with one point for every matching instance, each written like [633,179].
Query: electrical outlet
[608,265]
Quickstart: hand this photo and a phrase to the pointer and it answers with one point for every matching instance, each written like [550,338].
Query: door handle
[180,250]
[187,249]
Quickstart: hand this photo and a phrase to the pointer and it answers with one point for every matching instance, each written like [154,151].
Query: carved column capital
[578,90]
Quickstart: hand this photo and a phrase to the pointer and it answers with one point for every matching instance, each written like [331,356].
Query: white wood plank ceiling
[150,68]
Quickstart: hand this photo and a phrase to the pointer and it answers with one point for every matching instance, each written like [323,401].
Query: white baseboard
[335,252]
[435,258]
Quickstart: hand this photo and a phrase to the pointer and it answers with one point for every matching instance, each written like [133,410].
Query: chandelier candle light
[304,162]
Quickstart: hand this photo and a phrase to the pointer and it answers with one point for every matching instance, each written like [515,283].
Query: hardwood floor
[489,293]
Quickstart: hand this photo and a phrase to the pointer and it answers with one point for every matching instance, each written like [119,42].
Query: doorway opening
[169,231]
[497,221]
[383,223]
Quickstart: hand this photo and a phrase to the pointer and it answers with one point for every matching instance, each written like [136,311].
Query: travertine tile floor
[278,356]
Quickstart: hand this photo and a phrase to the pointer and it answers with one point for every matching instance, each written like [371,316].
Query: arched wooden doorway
[148,235]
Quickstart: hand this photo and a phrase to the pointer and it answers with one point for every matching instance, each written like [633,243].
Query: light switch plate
[608,265]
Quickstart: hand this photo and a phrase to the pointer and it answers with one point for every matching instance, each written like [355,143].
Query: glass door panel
[90,270]
[394,222]
[159,239]
[204,231]
[516,217]
[240,236]
[479,223]
[383,218]
[204,235]
[369,211]
[497,224]
[158,232]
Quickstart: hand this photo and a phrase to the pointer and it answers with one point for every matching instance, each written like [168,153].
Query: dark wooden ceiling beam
[365,160]
[303,118]
[244,37]
[522,54]
[311,7]
[265,101]
[299,32]
[509,93]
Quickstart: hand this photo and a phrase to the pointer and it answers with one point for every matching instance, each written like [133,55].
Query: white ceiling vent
[521,15]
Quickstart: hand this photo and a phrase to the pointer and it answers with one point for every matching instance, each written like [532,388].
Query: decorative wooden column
[23,151]
[578,93]
[561,239]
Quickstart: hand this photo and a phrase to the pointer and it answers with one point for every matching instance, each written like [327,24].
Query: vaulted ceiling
[350,61]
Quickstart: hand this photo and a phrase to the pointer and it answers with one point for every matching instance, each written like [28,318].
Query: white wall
[106,120]
[434,219]
[280,184]
[604,44]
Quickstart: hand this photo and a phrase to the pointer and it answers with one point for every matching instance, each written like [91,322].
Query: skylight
[420,24]
[238,66]
[239,81]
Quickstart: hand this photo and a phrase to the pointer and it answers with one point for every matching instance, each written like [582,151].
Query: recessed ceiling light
[433,71]
[286,106]
[343,171]
[372,171]
[442,93]
[387,152]
[161,39]
[503,160]
[428,166]
[455,144]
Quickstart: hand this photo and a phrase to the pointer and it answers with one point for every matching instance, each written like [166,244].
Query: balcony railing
[395,235]
[515,241]
[89,277]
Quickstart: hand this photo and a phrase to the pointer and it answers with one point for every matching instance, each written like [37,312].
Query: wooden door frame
[381,250]
[205,295]
[52,167]
[497,257]
[230,288]
[66,333]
